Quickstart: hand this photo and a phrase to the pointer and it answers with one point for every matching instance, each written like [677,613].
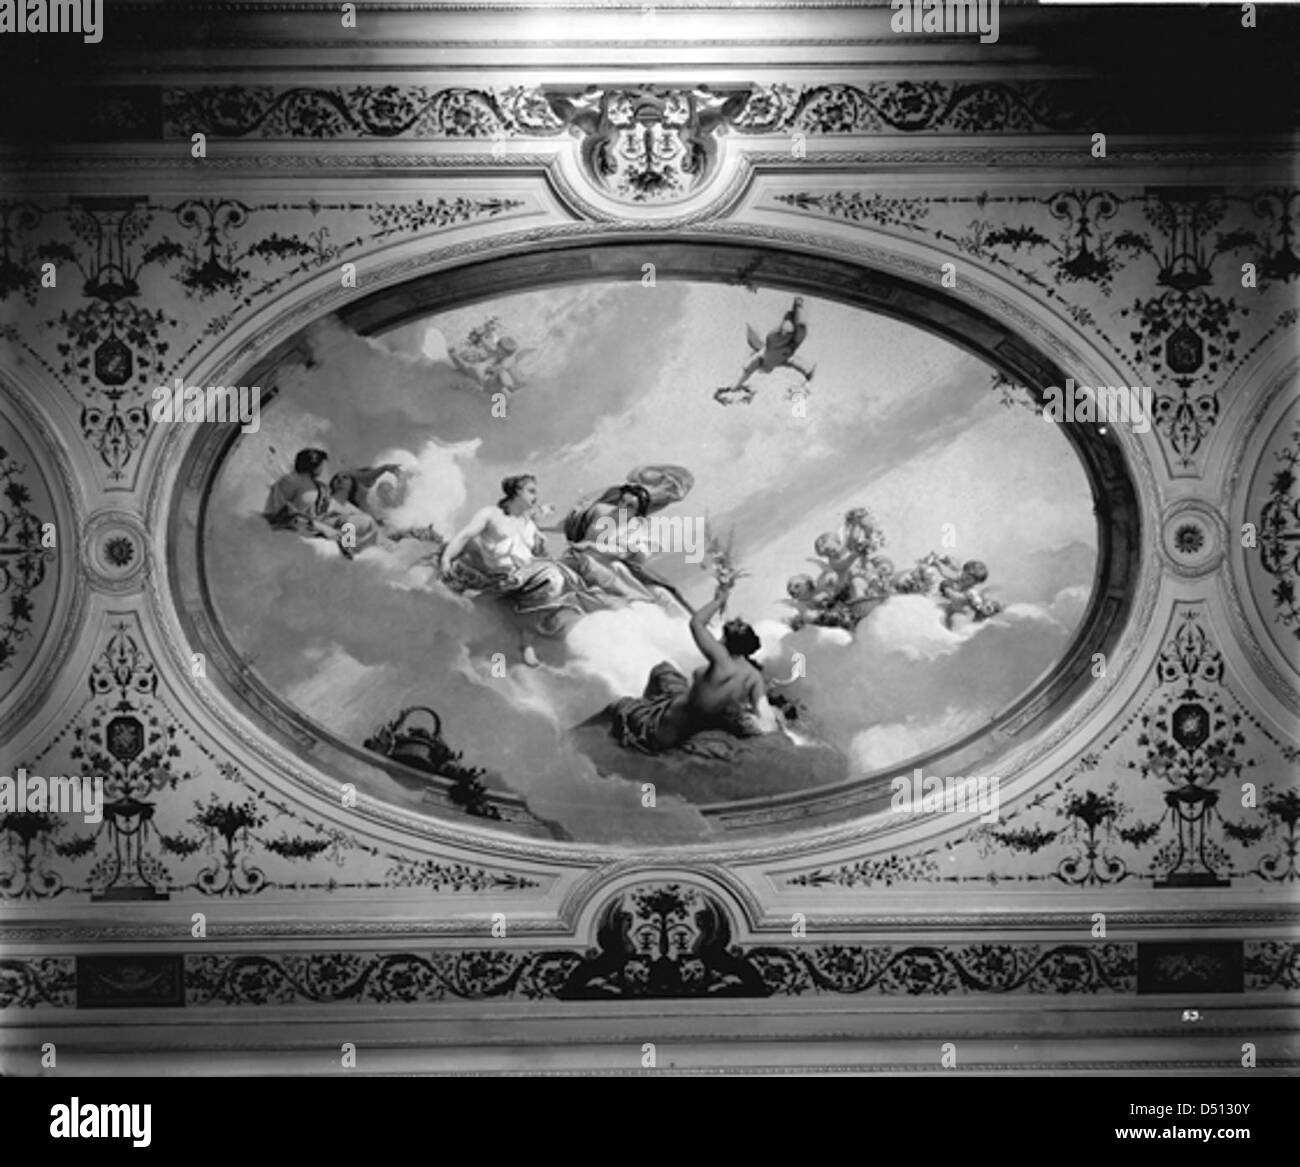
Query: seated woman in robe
[728,693]
[500,552]
[609,544]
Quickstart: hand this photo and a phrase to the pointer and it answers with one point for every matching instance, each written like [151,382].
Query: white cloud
[884,746]
[328,690]
[433,484]
[914,626]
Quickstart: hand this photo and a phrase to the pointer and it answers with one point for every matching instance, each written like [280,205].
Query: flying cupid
[775,351]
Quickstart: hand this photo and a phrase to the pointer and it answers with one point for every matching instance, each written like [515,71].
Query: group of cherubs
[853,579]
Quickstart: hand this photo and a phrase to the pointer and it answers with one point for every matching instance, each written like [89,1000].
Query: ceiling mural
[674,541]
[627,552]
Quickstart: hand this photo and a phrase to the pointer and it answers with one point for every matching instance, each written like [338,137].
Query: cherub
[871,579]
[883,567]
[928,574]
[963,594]
[801,591]
[870,583]
[490,359]
[830,547]
[816,602]
[861,535]
[972,572]
[828,587]
[776,350]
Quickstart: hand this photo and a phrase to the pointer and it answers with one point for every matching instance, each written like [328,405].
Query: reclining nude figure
[728,693]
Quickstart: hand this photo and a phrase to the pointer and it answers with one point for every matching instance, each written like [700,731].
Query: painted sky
[618,375]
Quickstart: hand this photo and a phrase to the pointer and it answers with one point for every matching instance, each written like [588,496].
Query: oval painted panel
[600,561]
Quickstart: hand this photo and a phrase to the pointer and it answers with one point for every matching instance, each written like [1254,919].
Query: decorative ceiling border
[424,112]
[658,139]
[655,940]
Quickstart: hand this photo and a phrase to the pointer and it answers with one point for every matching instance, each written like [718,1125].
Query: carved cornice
[828,926]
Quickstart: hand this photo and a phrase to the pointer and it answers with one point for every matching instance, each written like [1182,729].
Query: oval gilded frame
[565,261]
